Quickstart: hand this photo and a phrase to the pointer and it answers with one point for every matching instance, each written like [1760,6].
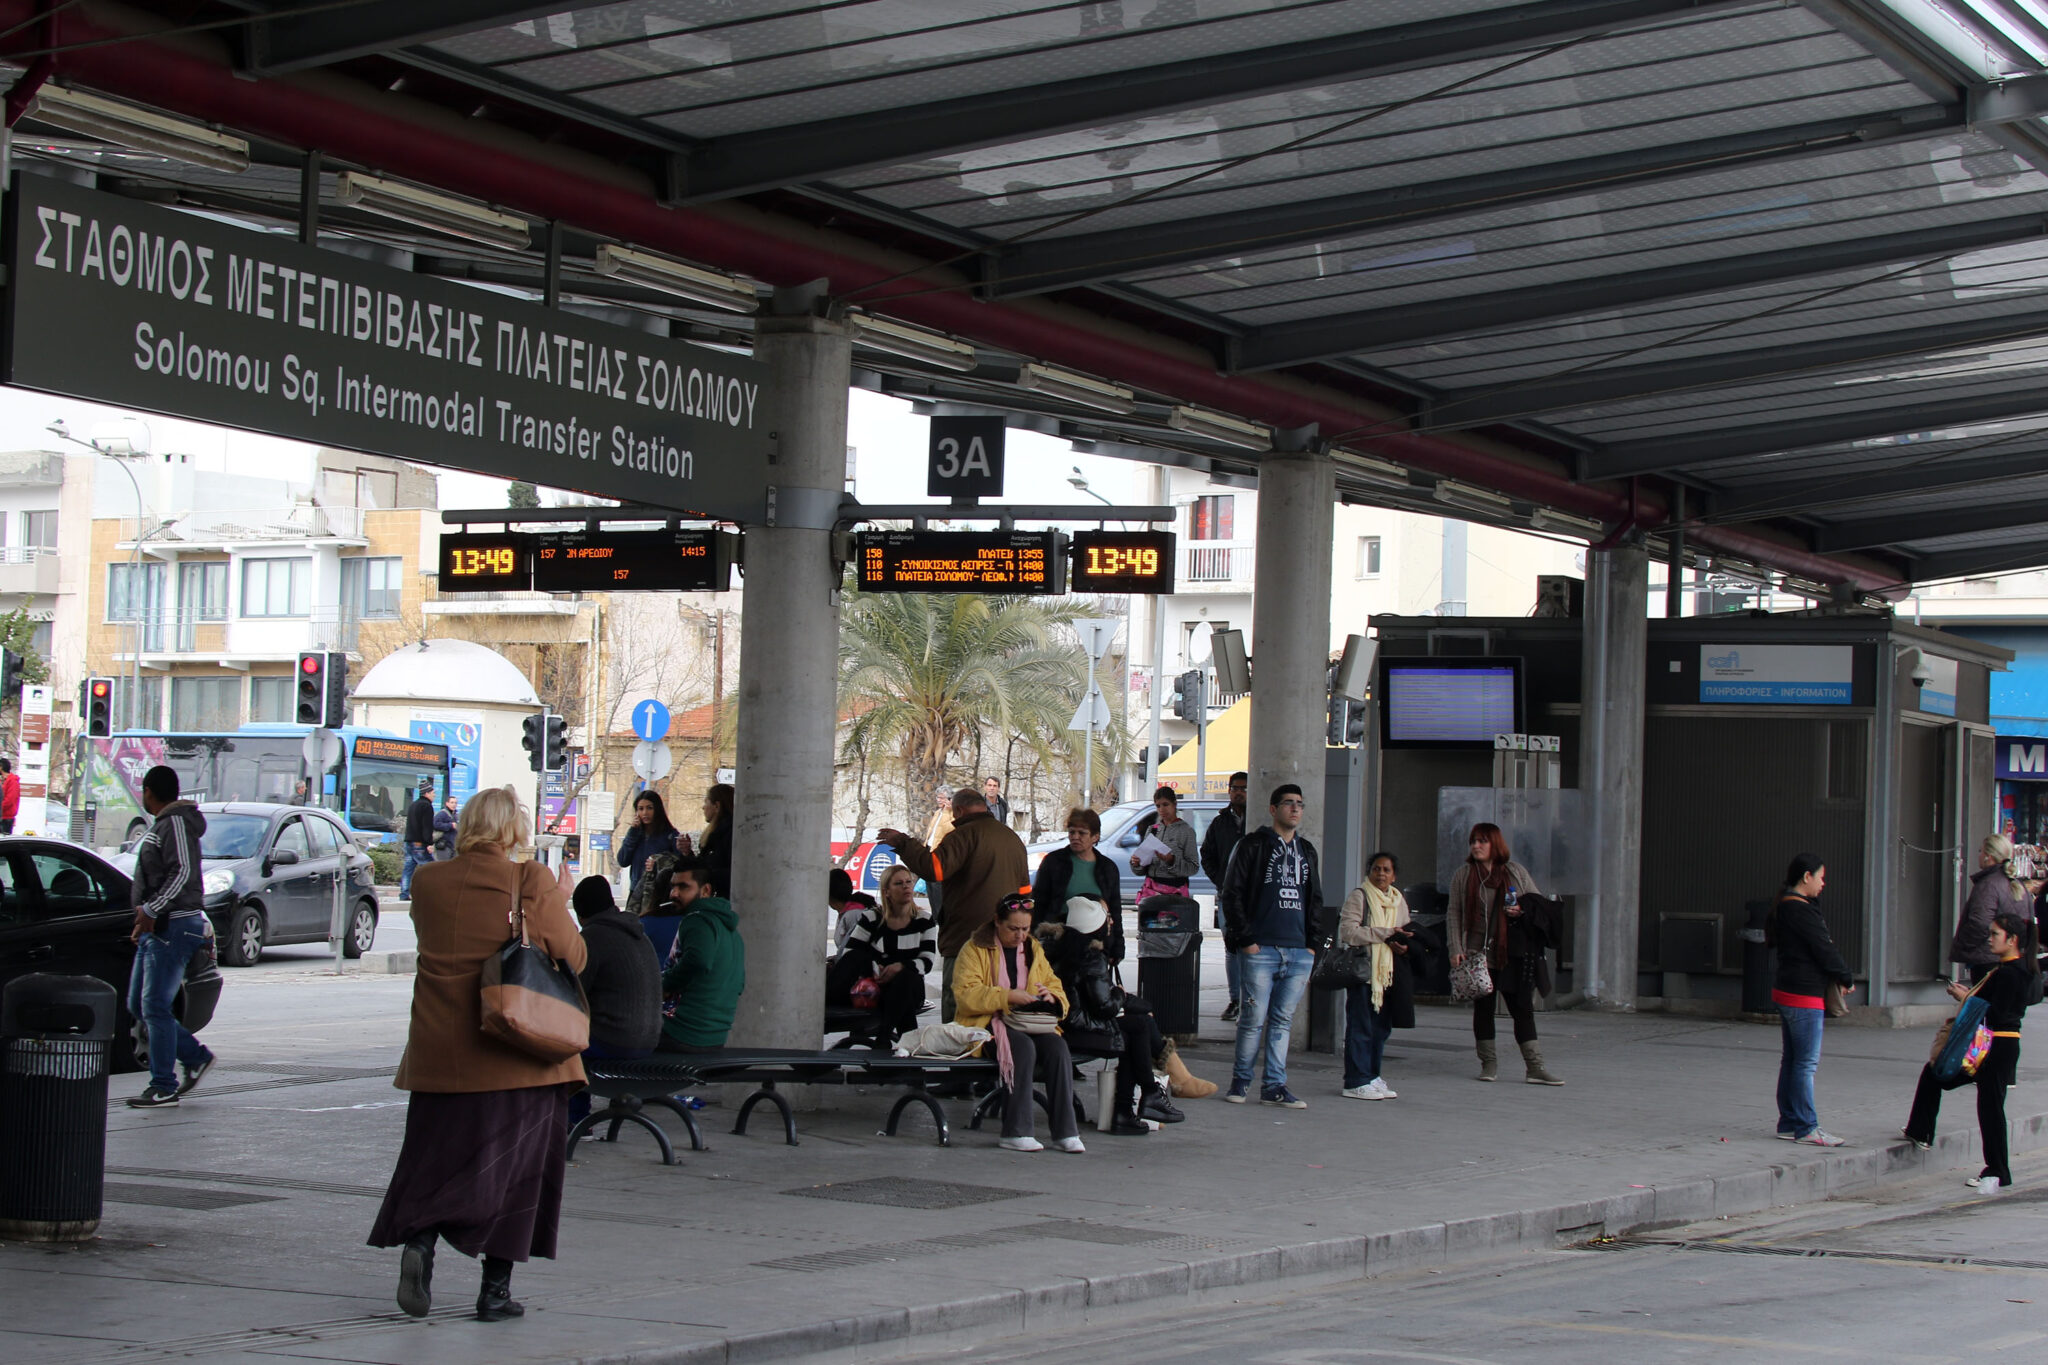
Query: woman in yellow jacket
[1000,980]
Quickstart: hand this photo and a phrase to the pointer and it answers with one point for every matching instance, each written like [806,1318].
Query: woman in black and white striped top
[897,944]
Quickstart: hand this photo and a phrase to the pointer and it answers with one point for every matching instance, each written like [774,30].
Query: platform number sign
[966,458]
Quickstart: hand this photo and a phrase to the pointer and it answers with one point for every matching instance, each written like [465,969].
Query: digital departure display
[961,561]
[1122,561]
[1448,702]
[693,560]
[484,563]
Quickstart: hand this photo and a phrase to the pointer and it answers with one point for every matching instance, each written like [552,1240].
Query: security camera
[1920,674]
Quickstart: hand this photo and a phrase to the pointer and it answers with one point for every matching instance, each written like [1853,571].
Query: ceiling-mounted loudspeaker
[1560,597]
[1233,667]
[1354,671]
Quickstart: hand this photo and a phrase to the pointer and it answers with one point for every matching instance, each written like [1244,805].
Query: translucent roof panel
[705,70]
[1689,80]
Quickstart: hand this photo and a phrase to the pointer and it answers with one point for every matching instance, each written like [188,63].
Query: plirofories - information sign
[130,304]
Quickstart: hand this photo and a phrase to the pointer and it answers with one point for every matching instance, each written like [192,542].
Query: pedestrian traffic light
[556,738]
[323,689]
[1187,696]
[533,738]
[96,704]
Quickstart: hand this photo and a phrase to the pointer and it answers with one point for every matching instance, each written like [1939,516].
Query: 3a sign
[966,458]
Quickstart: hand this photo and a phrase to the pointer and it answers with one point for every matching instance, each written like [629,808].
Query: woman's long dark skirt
[484,1169]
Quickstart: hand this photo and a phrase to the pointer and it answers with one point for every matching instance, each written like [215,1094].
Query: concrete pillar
[787,687]
[1615,656]
[1291,633]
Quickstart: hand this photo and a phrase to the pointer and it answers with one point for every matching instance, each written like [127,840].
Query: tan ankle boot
[1184,1084]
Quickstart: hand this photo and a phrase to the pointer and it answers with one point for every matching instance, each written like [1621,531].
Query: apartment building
[200,607]
[45,523]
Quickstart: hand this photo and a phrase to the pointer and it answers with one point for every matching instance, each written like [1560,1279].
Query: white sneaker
[1072,1144]
[1983,1184]
[1362,1092]
[1821,1137]
[1023,1144]
[1386,1091]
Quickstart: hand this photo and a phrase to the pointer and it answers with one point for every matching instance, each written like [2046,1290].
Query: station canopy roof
[1569,264]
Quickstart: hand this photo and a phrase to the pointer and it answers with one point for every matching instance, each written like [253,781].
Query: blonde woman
[483,1159]
[1994,891]
[1375,916]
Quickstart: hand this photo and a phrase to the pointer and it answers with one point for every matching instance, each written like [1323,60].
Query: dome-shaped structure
[446,671]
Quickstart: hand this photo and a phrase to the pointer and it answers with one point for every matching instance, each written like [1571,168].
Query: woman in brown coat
[483,1160]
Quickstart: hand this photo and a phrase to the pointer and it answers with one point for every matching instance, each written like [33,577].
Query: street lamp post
[1080,483]
[63,433]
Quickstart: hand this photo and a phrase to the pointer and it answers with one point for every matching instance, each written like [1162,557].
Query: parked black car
[64,908]
[270,878]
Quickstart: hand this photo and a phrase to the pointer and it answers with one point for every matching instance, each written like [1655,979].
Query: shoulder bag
[1960,1044]
[1471,979]
[1340,966]
[531,1001]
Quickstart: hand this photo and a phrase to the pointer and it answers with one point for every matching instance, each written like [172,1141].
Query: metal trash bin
[56,1048]
[1758,970]
[1170,962]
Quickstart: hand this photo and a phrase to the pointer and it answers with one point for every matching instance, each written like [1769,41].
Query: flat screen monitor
[1427,702]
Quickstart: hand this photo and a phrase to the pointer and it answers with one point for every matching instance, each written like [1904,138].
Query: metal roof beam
[742,163]
[2032,554]
[1767,438]
[1758,502]
[1511,402]
[1868,533]
[288,41]
[1307,340]
[1061,262]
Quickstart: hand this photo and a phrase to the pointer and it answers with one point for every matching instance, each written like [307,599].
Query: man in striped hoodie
[168,894]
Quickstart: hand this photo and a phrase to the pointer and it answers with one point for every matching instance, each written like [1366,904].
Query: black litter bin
[56,1048]
[1757,968]
[1170,961]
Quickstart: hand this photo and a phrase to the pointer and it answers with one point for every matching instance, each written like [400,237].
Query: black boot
[494,1301]
[1158,1106]
[416,1274]
[1124,1120]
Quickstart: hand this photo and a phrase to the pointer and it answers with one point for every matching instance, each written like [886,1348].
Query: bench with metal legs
[624,1109]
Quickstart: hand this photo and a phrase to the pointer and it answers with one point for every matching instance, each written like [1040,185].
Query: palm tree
[930,674]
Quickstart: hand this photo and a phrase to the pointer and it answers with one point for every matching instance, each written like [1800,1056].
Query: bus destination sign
[689,560]
[962,561]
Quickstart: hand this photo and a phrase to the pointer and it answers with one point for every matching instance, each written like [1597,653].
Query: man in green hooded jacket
[701,985]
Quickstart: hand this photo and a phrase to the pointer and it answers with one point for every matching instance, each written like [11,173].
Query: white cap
[1085,914]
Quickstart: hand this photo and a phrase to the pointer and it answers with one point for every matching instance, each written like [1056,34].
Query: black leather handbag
[1340,966]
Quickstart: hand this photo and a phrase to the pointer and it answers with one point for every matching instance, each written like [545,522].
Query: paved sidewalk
[754,1250]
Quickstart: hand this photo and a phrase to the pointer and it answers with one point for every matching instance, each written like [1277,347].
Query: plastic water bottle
[1513,897]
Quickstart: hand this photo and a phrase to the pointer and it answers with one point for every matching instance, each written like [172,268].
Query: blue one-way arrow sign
[650,719]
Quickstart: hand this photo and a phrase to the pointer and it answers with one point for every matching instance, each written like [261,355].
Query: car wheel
[243,942]
[362,931]
[135,829]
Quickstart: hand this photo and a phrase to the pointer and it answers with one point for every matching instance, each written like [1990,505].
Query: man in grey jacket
[168,895]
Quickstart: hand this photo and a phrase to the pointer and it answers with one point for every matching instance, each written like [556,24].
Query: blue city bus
[371,784]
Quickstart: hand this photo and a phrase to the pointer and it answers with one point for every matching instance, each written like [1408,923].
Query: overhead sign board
[1778,675]
[695,560]
[966,458]
[127,303]
[1122,561]
[486,563]
[960,561]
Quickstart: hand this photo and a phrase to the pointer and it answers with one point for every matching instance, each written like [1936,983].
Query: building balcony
[502,604]
[178,637]
[1215,566]
[28,569]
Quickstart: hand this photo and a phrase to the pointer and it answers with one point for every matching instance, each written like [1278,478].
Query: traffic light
[1187,696]
[555,755]
[12,661]
[533,738]
[323,689]
[96,704]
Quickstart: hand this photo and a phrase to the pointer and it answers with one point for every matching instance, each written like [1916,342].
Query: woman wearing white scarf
[1375,917]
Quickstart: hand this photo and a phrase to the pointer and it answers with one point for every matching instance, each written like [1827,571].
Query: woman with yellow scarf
[1375,917]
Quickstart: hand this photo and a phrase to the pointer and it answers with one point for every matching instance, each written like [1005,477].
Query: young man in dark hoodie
[168,895]
[621,980]
[708,970]
[1271,894]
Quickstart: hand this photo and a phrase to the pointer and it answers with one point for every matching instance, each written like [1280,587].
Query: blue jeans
[1801,1030]
[416,855]
[152,989]
[1233,974]
[1274,980]
[1365,1037]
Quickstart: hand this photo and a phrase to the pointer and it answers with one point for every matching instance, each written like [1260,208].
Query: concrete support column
[787,690]
[1291,633]
[1615,656]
